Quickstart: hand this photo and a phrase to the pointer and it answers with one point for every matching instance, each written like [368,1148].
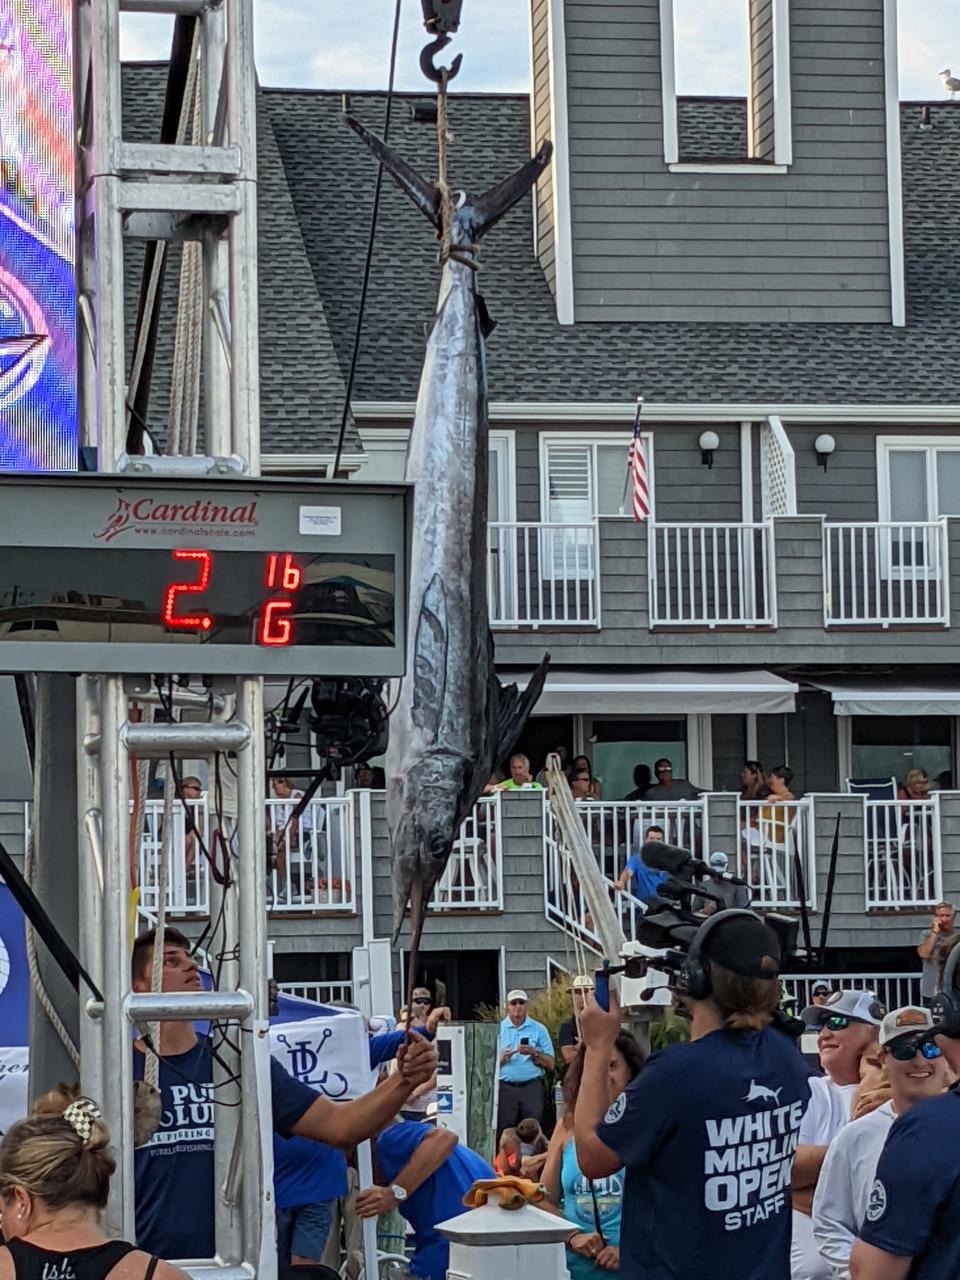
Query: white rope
[43,998]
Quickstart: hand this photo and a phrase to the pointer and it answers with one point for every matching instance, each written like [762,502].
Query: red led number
[283,574]
[189,621]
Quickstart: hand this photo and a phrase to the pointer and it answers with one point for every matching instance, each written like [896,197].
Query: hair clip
[81,1116]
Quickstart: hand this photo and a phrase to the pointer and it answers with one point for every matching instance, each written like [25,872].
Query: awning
[639,693]
[871,697]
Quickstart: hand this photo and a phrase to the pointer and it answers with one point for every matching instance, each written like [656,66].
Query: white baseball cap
[718,860]
[857,1005]
[901,1022]
[517,994]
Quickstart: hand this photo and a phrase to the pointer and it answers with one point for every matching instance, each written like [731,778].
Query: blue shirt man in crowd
[526,1054]
[427,1173]
[912,1224]
[646,881]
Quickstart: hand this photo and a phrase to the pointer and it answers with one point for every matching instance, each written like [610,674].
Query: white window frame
[593,439]
[782,106]
[887,445]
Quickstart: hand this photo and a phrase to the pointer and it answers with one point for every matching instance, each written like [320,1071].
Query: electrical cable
[371,240]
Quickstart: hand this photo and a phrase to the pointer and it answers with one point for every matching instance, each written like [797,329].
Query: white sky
[308,44]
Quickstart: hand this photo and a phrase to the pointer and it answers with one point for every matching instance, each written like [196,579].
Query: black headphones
[945,1007]
[695,974]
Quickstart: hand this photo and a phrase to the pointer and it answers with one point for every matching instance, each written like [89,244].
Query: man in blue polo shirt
[526,1054]
[912,1224]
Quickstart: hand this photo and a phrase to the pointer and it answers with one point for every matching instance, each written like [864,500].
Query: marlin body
[453,720]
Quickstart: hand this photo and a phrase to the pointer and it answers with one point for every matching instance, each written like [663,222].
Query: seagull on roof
[950,83]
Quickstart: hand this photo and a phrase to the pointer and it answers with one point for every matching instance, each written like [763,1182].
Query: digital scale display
[210,577]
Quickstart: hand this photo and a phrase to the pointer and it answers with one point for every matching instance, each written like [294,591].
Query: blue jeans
[302,1232]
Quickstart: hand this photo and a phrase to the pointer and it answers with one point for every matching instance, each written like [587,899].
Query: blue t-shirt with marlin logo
[707,1133]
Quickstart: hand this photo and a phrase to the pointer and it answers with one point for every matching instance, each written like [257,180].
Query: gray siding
[809,245]
[729,751]
[544,210]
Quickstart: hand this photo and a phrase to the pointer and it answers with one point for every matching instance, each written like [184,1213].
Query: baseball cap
[517,993]
[582,982]
[900,1022]
[718,860]
[744,945]
[858,1005]
[421,992]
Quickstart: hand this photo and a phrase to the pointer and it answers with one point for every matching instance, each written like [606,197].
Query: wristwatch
[399,1193]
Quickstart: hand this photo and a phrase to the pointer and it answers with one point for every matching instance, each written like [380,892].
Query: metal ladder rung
[187,1006]
[156,157]
[156,741]
[186,8]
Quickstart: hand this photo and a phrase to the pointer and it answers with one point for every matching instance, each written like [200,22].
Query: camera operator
[708,1130]
[912,1223]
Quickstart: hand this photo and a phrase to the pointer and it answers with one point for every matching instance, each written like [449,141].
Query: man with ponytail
[708,1130]
[55,1171]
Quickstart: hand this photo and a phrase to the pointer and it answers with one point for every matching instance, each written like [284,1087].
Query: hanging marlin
[453,720]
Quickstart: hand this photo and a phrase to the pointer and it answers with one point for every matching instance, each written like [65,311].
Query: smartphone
[525,1040]
[601,986]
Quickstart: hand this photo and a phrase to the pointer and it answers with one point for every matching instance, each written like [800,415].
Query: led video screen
[38,358]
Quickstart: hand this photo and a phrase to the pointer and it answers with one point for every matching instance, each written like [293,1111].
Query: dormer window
[749,128]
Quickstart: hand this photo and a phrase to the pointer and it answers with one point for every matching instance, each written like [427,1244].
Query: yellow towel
[514,1193]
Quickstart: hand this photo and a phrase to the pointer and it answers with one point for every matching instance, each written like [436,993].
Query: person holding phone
[525,1054]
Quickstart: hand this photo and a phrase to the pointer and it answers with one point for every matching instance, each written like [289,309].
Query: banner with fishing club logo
[328,1049]
[14,1011]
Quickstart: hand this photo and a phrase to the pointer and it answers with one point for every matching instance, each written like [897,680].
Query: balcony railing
[472,879]
[617,829]
[711,575]
[885,575]
[313,856]
[320,992]
[564,902]
[894,990]
[902,853]
[776,851]
[543,575]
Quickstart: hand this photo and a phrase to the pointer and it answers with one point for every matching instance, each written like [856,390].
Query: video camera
[674,915]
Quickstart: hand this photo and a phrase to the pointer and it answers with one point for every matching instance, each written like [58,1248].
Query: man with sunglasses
[915,1069]
[526,1054]
[848,1025]
[912,1223]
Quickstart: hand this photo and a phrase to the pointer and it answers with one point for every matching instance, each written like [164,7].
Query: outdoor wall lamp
[708,442]
[824,446]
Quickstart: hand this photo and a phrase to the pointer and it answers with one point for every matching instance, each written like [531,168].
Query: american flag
[637,468]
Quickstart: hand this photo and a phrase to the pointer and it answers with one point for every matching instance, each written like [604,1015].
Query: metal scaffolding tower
[174,192]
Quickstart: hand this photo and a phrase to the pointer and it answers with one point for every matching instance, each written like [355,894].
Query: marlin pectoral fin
[423,194]
[513,707]
[493,204]
[430,658]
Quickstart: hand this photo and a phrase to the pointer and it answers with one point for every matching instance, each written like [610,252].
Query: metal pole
[54,875]
[117,1102]
[216,361]
[365,1175]
[90,850]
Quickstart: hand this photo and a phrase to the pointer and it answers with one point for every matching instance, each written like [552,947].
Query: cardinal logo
[118,521]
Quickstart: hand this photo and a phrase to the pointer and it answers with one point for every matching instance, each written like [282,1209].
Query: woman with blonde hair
[55,1171]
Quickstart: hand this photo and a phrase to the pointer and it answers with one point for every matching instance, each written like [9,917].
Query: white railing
[711,575]
[564,902]
[314,865]
[314,857]
[320,992]
[472,879]
[893,990]
[776,852]
[543,574]
[884,575]
[902,853]
[617,829]
[188,885]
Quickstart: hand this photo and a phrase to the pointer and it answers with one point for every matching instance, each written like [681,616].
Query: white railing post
[706,575]
[885,574]
[551,576]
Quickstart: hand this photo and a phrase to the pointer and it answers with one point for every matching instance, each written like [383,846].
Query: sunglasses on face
[905,1050]
[420,1000]
[518,1002]
[838,1022]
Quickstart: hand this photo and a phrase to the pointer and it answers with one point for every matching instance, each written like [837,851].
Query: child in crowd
[509,1157]
[533,1147]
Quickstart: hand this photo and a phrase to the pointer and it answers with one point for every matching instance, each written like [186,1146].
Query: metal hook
[427,55]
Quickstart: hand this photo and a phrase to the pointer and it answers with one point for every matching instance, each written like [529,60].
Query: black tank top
[30,1262]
